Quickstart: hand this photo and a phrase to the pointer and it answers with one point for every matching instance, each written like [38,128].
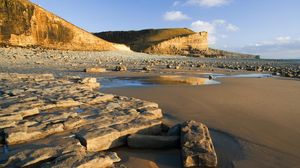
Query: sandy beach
[149,84]
[259,118]
[253,121]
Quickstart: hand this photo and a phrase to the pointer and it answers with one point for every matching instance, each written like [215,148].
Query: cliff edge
[173,41]
[23,23]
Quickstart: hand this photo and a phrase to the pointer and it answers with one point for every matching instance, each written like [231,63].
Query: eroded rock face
[197,146]
[26,24]
[38,109]
[177,41]
[181,45]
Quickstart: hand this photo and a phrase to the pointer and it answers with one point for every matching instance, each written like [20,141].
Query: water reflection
[114,82]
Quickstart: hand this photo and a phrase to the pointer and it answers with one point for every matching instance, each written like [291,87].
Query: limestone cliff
[175,41]
[181,45]
[142,40]
[23,23]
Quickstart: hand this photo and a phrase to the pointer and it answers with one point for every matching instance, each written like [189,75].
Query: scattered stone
[153,142]
[94,70]
[90,83]
[147,68]
[52,106]
[197,146]
[121,68]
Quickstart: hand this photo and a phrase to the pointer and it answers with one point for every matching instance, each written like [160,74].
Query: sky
[270,28]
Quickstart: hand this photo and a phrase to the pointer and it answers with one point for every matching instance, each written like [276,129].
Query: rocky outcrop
[197,146]
[176,41]
[23,23]
[140,40]
[67,120]
[181,45]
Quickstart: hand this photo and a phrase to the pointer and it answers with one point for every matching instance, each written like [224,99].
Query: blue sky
[270,28]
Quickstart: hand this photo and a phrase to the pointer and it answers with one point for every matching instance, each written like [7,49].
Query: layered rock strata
[180,45]
[23,23]
[41,109]
[197,146]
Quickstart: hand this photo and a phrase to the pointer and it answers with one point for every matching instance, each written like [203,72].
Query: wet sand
[254,121]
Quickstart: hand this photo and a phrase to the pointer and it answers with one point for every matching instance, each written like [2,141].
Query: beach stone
[99,139]
[169,66]
[7,123]
[114,136]
[121,68]
[29,157]
[67,103]
[151,112]
[197,146]
[153,142]
[101,98]
[84,160]
[146,68]
[51,112]
[94,70]
[22,134]
[90,83]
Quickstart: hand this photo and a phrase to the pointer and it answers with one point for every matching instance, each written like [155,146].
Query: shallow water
[119,82]
[114,82]
[241,75]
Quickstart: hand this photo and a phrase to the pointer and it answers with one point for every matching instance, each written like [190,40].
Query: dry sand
[254,121]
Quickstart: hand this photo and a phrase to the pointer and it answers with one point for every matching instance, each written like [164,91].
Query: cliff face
[175,41]
[23,23]
[141,40]
[181,45]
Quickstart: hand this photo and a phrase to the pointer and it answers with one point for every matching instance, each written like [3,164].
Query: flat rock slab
[84,160]
[152,141]
[197,146]
[38,106]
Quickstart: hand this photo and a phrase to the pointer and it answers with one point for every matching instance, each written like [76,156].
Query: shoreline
[253,142]
[255,117]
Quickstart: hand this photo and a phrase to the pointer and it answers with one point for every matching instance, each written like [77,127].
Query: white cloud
[203,26]
[208,3]
[213,28]
[219,22]
[231,27]
[176,3]
[175,16]
[284,39]
[278,47]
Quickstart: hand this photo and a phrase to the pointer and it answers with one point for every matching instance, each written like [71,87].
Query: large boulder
[197,146]
[114,136]
[153,142]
